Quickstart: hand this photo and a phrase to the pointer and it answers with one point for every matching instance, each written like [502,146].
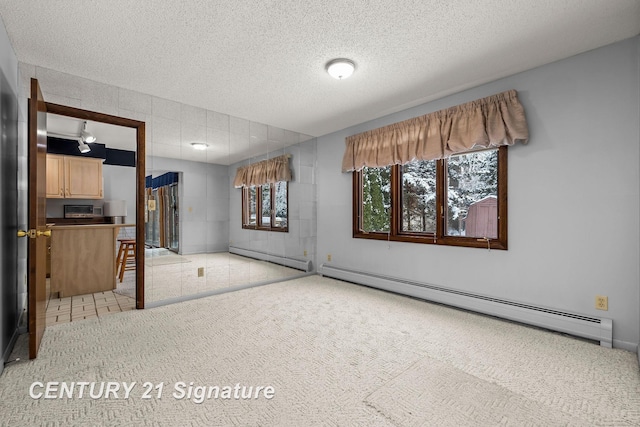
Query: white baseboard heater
[304,265]
[592,328]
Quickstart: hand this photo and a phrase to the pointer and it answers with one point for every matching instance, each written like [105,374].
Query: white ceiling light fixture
[86,135]
[199,145]
[340,68]
[84,148]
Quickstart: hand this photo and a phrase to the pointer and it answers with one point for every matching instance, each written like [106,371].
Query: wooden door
[37,263]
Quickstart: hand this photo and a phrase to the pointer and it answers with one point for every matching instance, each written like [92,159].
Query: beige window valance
[264,172]
[488,122]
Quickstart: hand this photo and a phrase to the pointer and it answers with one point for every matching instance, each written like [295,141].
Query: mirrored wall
[214,252]
[195,240]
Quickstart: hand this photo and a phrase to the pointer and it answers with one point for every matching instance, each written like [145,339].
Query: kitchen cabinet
[73,177]
[55,176]
[83,258]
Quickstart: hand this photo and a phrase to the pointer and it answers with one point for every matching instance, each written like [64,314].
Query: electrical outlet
[200,271]
[305,254]
[602,302]
[328,257]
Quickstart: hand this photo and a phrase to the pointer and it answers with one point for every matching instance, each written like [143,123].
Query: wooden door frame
[37,248]
[63,110]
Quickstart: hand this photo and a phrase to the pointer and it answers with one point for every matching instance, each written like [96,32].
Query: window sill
[469,242]
[276,229]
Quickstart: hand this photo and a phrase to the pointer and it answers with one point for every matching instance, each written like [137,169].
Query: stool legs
[126,255]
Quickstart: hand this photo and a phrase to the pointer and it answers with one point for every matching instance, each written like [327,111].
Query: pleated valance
[488,122]
[264,172]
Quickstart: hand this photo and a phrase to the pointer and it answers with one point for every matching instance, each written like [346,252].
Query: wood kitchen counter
[83,258]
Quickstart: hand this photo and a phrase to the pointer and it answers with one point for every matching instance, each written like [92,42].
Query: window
[458,201]
[264,207]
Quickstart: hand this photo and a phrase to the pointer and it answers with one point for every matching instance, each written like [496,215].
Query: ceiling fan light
[340,68]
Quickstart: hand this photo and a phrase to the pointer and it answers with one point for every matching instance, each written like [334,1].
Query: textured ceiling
[264,60]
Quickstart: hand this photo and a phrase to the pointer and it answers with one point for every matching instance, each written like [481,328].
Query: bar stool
[126,259]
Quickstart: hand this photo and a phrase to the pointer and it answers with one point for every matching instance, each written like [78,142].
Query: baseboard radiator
[304,265]
[592,328]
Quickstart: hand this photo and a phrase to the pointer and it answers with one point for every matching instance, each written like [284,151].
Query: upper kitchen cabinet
[78,178]
[55,176]
[83,178]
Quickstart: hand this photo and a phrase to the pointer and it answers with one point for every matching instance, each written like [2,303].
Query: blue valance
[162,180]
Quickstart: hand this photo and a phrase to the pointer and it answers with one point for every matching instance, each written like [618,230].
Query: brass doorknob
[30,233]
[33,233]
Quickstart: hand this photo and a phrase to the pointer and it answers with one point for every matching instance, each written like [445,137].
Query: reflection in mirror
[215,251]
[162,215]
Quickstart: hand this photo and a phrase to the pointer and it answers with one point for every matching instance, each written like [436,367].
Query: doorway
[139,127]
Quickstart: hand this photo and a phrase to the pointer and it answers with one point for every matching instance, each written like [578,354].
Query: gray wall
[302,234]
[573,196]
[13,255]
[204,203]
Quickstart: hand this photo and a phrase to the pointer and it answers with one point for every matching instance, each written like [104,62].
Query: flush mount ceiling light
[84,148]
[86,135]
[340,68]
[199,145]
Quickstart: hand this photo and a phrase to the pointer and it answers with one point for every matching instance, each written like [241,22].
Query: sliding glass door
[162,229]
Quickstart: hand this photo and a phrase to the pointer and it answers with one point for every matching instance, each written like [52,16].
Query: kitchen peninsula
[83,258]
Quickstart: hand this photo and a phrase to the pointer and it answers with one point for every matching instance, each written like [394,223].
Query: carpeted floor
[336,354]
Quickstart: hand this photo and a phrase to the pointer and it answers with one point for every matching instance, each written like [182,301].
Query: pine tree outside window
[265,207]
[458,201]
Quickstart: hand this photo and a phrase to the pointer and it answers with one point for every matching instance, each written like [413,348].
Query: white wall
[120,184]
[573,196]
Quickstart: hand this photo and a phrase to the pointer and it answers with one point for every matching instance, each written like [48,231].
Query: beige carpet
[221,270]
[171,276]
[431,390]
[165,260]
[337,354]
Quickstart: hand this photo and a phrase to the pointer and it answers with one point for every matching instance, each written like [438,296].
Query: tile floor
[72,309]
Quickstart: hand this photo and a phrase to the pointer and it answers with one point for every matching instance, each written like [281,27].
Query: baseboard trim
[580,325]
[9,349]
[625,345]
[299,264]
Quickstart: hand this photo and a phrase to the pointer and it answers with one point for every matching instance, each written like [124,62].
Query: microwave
[82,211]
